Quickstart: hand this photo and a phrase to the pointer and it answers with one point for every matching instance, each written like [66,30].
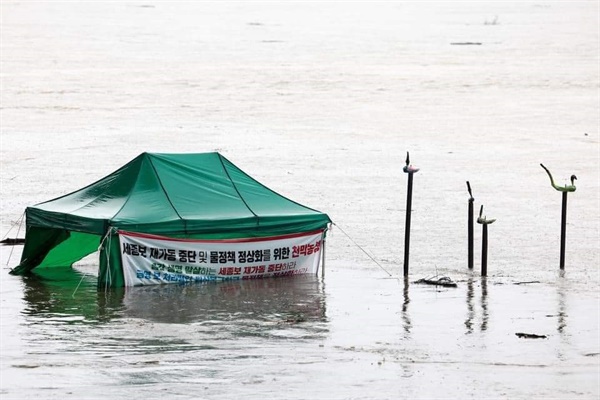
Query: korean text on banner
[149,259]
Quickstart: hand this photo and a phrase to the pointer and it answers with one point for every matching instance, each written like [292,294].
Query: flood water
[320,102]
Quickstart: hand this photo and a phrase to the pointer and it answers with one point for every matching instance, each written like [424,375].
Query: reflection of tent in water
[63,297]
[190,196]
[297,299]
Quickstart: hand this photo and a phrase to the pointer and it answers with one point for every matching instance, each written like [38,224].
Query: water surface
[320,102]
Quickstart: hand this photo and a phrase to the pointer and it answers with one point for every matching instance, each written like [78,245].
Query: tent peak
[153,154]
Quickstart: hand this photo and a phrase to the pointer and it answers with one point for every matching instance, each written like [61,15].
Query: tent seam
[275,192]
[87,186]
[167,195]
[109,220]
[236,189]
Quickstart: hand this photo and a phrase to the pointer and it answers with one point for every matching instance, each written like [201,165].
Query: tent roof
[177,194]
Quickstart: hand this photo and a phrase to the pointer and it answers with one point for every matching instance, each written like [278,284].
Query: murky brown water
[352,336]
[319,102]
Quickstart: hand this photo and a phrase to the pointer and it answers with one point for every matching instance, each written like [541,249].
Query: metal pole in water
[470,227]
[563,230]
[563,221]
[410,170]
[484,247]
[484,240]
[407,225]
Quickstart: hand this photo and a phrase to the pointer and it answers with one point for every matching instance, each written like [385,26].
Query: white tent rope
[20,222]
[81,280]
[363,250]
[109,280]
[107,238]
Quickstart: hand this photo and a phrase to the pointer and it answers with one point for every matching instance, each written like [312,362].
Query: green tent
[199,196]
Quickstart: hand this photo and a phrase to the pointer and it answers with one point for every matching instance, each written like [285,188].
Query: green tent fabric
[200,195]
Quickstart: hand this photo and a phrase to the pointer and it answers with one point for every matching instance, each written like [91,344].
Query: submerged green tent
[176,195]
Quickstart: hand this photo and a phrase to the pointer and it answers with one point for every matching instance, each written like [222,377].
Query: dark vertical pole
[470,234]
[484,246]
[563,221]
[470,228]
[563,230]
[407,226]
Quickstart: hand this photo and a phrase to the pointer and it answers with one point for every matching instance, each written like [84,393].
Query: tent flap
[38,243]
[48,247]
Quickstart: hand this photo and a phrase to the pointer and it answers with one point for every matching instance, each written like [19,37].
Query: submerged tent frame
[195,195]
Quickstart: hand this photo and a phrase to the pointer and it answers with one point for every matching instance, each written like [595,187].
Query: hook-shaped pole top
[470,193]
[483,220]
[566,188]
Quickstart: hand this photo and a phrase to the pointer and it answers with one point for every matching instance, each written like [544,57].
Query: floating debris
[12,241]
[296,318]
[530,336]
[442,281]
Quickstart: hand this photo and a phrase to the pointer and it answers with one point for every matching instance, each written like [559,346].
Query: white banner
[150,259]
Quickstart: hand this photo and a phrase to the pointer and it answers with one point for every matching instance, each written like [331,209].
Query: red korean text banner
[150,259]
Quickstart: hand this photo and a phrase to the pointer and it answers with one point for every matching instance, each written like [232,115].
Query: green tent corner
[193,196]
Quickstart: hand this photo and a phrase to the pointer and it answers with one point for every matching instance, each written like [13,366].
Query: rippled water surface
[356,336]
[320,102]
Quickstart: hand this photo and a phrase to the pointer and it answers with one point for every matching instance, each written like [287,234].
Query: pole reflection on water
[470,307]
[561,321]
[471,313]
[484,304]
[562,314]
[406,322]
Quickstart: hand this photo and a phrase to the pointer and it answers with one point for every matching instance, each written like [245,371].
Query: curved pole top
[471,198]
[483,220]
[566,188]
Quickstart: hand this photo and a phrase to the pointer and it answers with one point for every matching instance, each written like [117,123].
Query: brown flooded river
[320,102]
